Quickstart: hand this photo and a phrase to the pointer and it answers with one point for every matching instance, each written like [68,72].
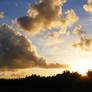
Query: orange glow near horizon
[82,67]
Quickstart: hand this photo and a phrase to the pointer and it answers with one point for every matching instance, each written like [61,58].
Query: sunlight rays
[82,67]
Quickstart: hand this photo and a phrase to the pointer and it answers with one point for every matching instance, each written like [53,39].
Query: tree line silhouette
[65,82]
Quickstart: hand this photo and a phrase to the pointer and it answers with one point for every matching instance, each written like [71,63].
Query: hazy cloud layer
[84,44]
[53,35]
[1,15]
[55,41]
[17,52]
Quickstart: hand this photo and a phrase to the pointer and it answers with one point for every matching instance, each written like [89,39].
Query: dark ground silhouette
[66,82]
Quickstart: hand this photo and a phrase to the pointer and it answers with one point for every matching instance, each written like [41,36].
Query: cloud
[14,75]
[54,38]
[77,30]
[43,15]
[84,44]
[46,14]
[65,22]
[69,19]
[53,35]
[1,15]
[55,41]
[17,52]
[88,7]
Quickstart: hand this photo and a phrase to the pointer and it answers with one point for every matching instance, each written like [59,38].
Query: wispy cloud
[55,41]
[77,30]
[84,44]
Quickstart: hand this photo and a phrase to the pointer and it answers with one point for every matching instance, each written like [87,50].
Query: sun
[81,67]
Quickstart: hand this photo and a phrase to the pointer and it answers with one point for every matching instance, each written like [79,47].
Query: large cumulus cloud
[46,14]
[42,15]
[17,52]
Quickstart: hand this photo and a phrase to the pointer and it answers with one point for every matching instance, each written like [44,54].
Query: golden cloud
[17,52]
[53,35]
[77,30]
[84,44]
[46,14]
[1,15]
[43,15]
[88,7]
[65,22]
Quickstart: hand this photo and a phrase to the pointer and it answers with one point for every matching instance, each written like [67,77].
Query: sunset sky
[45,36]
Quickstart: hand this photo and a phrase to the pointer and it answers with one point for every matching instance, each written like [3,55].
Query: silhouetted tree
[65,82]
[89,74]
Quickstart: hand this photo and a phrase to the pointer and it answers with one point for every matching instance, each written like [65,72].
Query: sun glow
[82,67]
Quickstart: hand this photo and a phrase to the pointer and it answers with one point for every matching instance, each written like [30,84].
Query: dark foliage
[66,82]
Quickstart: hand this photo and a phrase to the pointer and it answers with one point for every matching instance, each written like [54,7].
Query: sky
[57,33]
